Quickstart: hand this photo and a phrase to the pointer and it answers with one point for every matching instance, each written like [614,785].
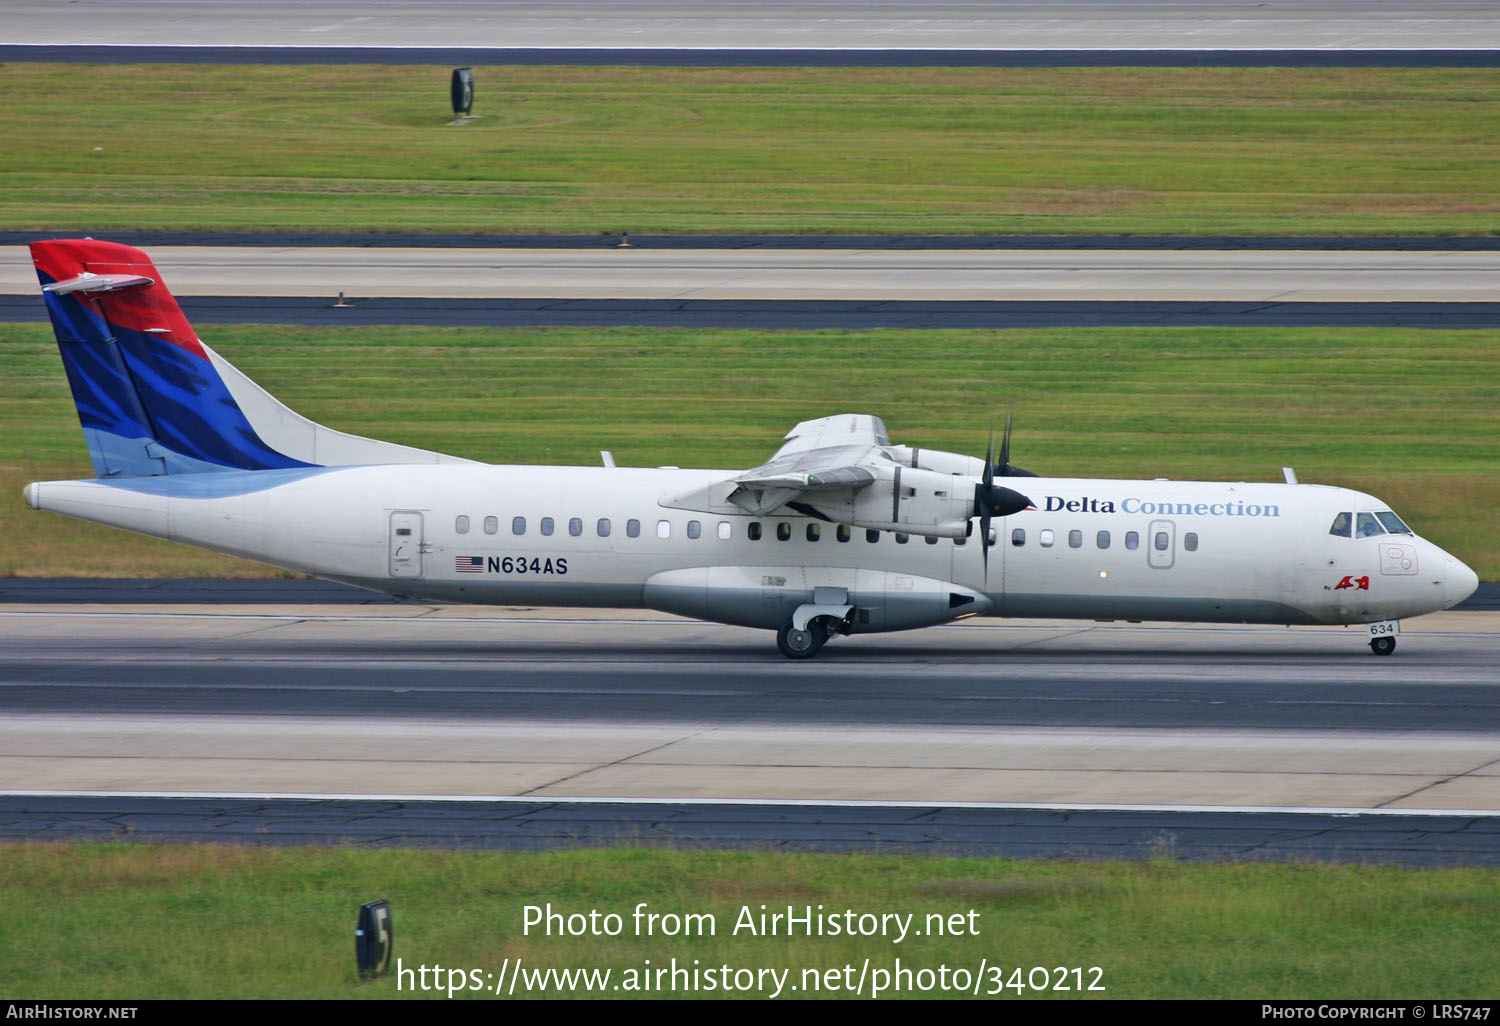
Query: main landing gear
[805,643]
[1383,646]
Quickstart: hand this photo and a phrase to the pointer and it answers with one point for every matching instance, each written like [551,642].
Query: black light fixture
[463,92]
[373,939]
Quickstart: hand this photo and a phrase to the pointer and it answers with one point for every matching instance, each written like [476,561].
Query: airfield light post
[462,91]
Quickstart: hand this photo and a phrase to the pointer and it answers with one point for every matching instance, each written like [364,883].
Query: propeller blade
[989,458]
[1004,467]
[984,547]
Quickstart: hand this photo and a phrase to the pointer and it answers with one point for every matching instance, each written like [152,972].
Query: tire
[1383,646]
[804,644]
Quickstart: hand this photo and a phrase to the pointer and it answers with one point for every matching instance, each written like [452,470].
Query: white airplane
[841,532]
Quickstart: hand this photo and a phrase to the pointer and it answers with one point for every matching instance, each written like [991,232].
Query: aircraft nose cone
[1461,582]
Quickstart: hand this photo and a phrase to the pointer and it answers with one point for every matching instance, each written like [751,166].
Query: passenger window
[783,531]
[1132,540]
[1367,526]
[632,528]
[547,526]
[1161,541]
[1190,541]
[1075,539]
[1046,538]
[575,527]
[814,532]
[843,533]
[725,530]
[695,529]
[964,540]
[1342,524]
[602,527]
[1102,539]
[1018,537]
[491,525]
[930,540]
[1393,523]
[872,536]
[902,539]
[461,525]
[517,525]
[664,528]
[753,531]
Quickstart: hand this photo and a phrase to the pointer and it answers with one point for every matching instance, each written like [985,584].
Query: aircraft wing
[843,431]
[832,458]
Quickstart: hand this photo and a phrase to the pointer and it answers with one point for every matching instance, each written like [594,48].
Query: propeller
[992,501]
[1003,468]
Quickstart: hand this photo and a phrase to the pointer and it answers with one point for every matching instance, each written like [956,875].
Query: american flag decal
[469,564]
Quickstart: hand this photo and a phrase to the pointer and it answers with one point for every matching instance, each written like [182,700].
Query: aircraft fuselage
[602,537]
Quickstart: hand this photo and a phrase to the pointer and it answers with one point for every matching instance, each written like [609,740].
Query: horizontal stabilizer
[87,282]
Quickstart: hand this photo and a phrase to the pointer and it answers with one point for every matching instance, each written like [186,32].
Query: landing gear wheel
[1382,646]
[803,644]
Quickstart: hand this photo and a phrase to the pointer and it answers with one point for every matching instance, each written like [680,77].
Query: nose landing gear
[1383,636]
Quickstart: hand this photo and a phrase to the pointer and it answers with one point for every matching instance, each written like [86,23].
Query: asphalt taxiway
[783,287]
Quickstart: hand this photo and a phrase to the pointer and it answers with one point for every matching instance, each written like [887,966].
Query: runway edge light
[373,939]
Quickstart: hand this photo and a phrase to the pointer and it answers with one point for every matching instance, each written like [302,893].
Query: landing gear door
[406,545]
[1161,544]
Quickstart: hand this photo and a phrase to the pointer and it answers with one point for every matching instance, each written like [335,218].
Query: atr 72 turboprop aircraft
[841,532]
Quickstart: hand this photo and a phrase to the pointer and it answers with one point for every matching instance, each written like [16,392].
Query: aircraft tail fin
[152,398]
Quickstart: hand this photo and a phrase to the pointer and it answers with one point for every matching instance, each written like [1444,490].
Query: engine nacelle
[936,460]
[906,499]
[769,596]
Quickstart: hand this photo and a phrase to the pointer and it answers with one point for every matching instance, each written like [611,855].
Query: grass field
[1407,415]
[691,150]
[138,921]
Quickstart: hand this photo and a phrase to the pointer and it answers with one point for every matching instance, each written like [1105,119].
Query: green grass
[140,921]
[1406,415]
[692,150]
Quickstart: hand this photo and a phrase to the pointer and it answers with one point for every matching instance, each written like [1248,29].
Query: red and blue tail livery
[152,398]
[148,394]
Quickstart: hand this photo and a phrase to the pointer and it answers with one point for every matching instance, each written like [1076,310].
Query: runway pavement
[1323,25]
[527,729]
[462,701]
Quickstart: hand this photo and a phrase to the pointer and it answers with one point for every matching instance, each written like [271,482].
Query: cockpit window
[1392,522]
[1367,526]
[1341,525]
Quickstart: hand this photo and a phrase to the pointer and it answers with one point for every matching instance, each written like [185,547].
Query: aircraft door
[406,545]
[1161,544]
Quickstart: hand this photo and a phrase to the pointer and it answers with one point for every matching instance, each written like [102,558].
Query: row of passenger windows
[603,527]
[1162,541]
[813,532]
